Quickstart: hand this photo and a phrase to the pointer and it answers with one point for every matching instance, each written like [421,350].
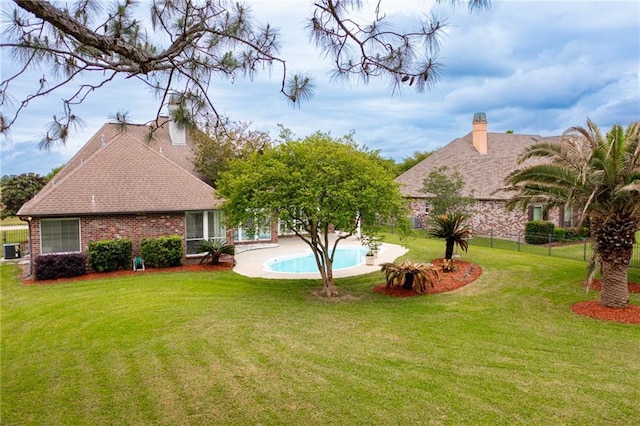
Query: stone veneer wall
[490,216]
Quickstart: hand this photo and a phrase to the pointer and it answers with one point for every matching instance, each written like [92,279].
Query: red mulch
[593,308]
[466,273]
[222,266]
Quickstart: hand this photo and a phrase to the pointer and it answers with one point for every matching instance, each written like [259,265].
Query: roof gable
[121,175]
[483,173]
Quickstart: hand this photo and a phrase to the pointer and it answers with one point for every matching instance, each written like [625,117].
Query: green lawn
[12,221]
[199,348]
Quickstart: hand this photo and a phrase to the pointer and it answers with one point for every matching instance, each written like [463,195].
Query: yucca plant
[214,249]
[410,275]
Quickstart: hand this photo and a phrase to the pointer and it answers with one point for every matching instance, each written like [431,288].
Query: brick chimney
[178,135]
[479,133]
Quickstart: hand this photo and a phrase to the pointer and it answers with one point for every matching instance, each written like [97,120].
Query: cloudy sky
[535,67]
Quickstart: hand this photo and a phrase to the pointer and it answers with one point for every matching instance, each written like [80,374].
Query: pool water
[345,257]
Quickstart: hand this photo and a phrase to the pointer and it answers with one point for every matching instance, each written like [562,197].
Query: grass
[12,221]
[196,348]
[579,250]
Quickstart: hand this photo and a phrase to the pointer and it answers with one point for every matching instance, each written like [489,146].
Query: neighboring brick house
[122,185]
[484,159]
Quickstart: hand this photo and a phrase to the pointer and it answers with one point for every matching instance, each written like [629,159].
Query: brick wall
[490,215]
[134,227]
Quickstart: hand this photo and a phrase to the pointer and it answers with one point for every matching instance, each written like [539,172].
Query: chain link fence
[578,249]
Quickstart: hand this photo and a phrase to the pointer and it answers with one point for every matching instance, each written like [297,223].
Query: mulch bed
[593,308]
[222,266]
[466,273]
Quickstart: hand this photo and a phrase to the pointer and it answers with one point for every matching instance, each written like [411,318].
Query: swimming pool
[346,257]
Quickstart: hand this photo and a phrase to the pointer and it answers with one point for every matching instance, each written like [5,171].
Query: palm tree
[602,176]
[451,228]
[411,275]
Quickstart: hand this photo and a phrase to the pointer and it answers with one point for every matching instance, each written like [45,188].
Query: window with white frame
[59,236]
[204,225]
[254,229]
[537,213]
[283,229]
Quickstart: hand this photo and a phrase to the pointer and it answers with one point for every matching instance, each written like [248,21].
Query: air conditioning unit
[11,251]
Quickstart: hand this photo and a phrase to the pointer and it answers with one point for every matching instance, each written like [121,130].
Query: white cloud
[534,67]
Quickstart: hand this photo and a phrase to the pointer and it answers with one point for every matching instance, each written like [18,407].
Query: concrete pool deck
[250,260]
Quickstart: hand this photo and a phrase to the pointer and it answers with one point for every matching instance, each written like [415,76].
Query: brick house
[122,185]
[484,159]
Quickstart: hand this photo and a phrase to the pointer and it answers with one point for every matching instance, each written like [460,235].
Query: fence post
[518,241]
[491,237]
[549,244]
[584,249]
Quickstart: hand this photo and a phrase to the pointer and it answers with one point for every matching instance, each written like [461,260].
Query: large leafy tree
[445,190]
[178,47]
[601,174]
[214,149]
[314,185]
[18,189]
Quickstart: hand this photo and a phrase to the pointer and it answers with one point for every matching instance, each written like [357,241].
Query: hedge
[110,255]
[53,266]
[162,252]
[538,231]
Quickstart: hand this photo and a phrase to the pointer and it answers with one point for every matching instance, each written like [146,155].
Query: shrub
[576,234]
[559,234]
[537,231]
[53,266]
[110,255]
[162,252]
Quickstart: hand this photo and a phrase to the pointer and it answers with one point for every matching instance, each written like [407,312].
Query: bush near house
[110,255]
[162,252]
[559,234]
[537,231]
[53,266]
[576,234]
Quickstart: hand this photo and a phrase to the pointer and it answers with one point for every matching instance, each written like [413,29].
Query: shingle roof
[126,174]
[483,174]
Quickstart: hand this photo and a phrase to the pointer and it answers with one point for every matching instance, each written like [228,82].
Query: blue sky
[535,67]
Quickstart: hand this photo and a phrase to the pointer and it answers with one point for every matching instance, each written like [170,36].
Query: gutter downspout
[29,242]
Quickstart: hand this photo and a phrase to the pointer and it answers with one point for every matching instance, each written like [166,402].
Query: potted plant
[370,258]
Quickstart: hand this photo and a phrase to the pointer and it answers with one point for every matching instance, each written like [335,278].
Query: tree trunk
[448,254]
[615,290]
[328,285]
[615,236]
[408,282]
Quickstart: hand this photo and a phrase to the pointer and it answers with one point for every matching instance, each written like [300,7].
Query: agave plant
[410,275]
[214,249]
